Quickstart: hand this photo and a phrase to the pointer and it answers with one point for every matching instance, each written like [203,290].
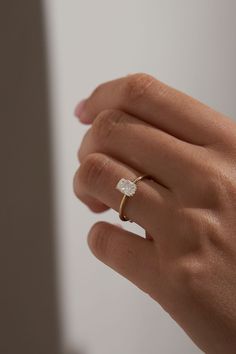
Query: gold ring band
[132,186]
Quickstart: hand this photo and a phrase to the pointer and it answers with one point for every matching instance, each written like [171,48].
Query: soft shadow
[28,301]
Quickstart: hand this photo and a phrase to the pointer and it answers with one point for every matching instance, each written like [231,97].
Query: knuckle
[203,226]
[212,232]
[185,277]
[136,85]
[98,240]
[106,122]
[192,273]
[214,188]
[91,169]
[203,235]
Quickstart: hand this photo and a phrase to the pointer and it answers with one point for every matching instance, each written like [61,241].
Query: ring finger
[97,178]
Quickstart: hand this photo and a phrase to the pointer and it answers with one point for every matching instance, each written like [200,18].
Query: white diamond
[126,187]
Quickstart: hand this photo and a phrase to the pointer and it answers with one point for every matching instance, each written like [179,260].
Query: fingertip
[79,108]
[95,235]
[80,112]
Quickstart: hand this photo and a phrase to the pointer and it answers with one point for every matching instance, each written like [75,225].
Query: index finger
[158,104]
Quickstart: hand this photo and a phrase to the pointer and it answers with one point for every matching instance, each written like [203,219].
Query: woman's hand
[188,262]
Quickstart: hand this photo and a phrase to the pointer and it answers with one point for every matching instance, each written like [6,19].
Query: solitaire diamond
[126,187]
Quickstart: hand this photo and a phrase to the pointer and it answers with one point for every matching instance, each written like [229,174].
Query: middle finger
[140,146]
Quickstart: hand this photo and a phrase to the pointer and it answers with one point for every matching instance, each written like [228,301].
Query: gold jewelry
[128,188]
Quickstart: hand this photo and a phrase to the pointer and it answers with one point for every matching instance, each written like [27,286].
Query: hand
[188,263]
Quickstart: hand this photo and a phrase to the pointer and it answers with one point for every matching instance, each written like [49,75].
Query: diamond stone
[126,187]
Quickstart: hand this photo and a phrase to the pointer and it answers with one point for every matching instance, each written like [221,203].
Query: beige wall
[189,44]
[28,300]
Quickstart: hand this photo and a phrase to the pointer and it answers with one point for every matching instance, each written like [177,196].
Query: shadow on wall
[28,302]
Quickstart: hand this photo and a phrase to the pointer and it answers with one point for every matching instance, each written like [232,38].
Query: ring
[128,188]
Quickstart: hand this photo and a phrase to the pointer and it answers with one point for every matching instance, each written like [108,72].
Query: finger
[98,176]
[92,203]
[145,97]
[141,146]
[132,256]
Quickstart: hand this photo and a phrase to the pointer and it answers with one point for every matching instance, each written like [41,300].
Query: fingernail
[79,108]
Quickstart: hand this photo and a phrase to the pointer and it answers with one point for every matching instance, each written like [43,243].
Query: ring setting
[128,189]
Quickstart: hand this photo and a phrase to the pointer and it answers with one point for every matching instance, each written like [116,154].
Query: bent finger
[158,104]
[98,176]
[132,256]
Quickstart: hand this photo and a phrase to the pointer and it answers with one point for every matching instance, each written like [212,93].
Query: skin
[187,262]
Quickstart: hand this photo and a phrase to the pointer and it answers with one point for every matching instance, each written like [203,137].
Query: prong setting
[126,187]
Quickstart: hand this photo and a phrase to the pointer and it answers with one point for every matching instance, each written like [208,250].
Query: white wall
[188,44]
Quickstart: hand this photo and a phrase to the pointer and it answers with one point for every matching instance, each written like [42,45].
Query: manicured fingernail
[79,108]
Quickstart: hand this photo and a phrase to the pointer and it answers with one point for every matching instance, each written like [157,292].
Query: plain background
[188,44]
[28,295]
